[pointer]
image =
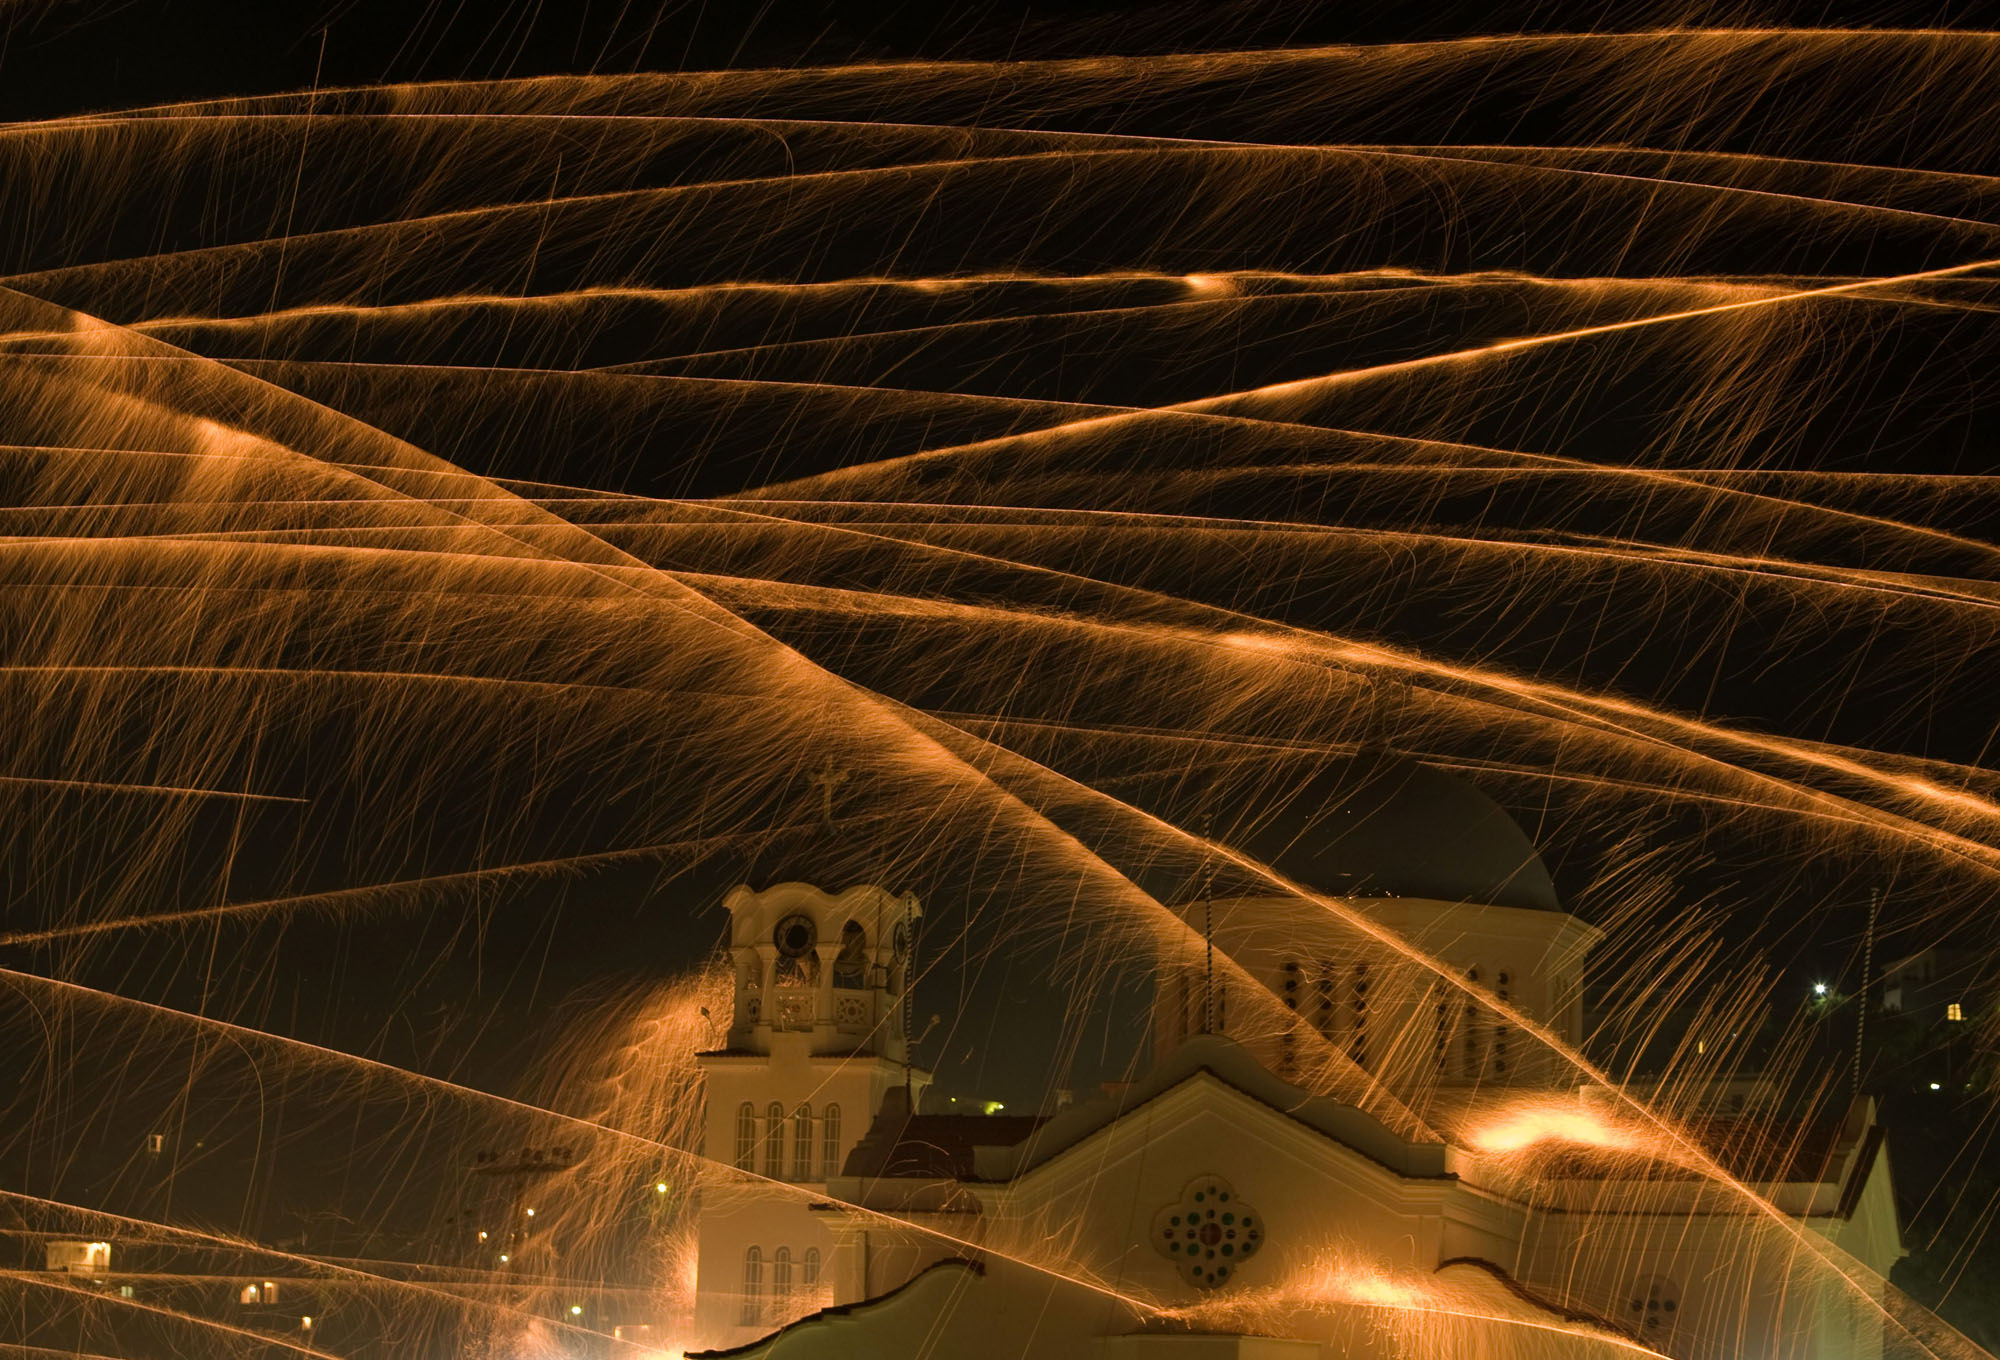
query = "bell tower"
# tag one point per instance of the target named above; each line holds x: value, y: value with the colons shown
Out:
x: 818, y: 1039
x: 822, y: 971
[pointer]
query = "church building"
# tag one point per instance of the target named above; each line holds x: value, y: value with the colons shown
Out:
x: 1336, y: 1150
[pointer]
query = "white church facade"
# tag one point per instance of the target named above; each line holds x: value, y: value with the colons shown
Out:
x: 1235, y: 1200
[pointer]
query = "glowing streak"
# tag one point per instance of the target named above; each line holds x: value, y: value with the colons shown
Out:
x: 99, y: 997
x: 1206, y: 66
x: 1574, y: 704
x: 697, y: 608
x: 1522, y: 1129
x: 315, y: 1263
x: 167, y: 790
x: 1221, y: 404
x: 338, y: 897
x: 51, y: 1282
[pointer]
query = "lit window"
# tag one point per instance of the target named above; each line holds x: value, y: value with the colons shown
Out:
x: 781, y: 1278
x: 249, y: 1294
x: 802, y: 1144
x: 270, y: 1291
x: 774, y: 1141
x: 829, y: 1141
x: 1954, y: 1012
x: 124, y: 1291
x: 746, y: 1137
x: 753, y: 1286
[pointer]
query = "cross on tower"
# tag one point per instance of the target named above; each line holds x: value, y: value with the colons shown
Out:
x: 829, y: 779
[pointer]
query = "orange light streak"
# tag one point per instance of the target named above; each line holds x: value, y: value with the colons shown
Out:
x: 45, y: 1281
x: 697, y: 1160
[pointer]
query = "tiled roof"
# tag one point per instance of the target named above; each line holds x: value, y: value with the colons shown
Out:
x: 934, y: 1146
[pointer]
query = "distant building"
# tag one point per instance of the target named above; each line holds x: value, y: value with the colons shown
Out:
x: 1932, y: 984
x: 79, y: 1258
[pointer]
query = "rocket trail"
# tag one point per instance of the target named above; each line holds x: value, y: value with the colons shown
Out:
x: 1277, y: 391
x: 320, y: 1266
x: 373, y: 894
x: 266, y: 1038
x: 161, y: 790
x: 997, y: 438
x: 44, y: 1281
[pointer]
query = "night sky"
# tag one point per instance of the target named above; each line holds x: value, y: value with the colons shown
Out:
x: 473, y: 995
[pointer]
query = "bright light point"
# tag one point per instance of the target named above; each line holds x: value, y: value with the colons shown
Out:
x: 576, y: 1310
x: 1209, y: 285
x: 503, y: 1258
x: 1936, y: 1087
x: 660, y: 1189
x: 1819, y: 989
x: 482, y: 1235
x: 531, y: 1213
x: 1525, y: 1128
x: 1256, y: 642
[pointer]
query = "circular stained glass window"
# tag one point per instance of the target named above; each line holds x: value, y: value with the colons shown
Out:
x: 1206, y: 1241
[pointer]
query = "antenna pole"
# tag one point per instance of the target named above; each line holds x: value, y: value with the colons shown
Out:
x: 1208, y: 928
x: 909, y: 1014
x: 1867, y: 972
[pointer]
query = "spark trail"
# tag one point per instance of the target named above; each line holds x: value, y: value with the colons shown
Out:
x: 469, y: 525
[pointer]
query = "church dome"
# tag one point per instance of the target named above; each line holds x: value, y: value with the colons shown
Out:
x: 1386, y: 826
x: 1369, y: 825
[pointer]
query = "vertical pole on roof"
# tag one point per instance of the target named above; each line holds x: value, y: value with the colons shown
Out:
x: 1867, y: 981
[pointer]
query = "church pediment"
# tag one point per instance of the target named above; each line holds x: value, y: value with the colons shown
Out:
x: 1226, y: 1074
x: 1203, y: 1189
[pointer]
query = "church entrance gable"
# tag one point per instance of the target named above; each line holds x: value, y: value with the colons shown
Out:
x: 1109, y: 1202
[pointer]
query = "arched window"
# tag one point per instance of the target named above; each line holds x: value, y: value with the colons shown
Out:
x: 1288, y: 1061
x: 753, y: 1286
x: 746, y: 1137
x: 774, y: 1140
x: 850, y: 966
x: 796, y: 938
x: 809, y: 1276
x: 1471, y: 1030
x: 802, y: 1143
x: 781, y: 1280
x: 829, y: 1141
